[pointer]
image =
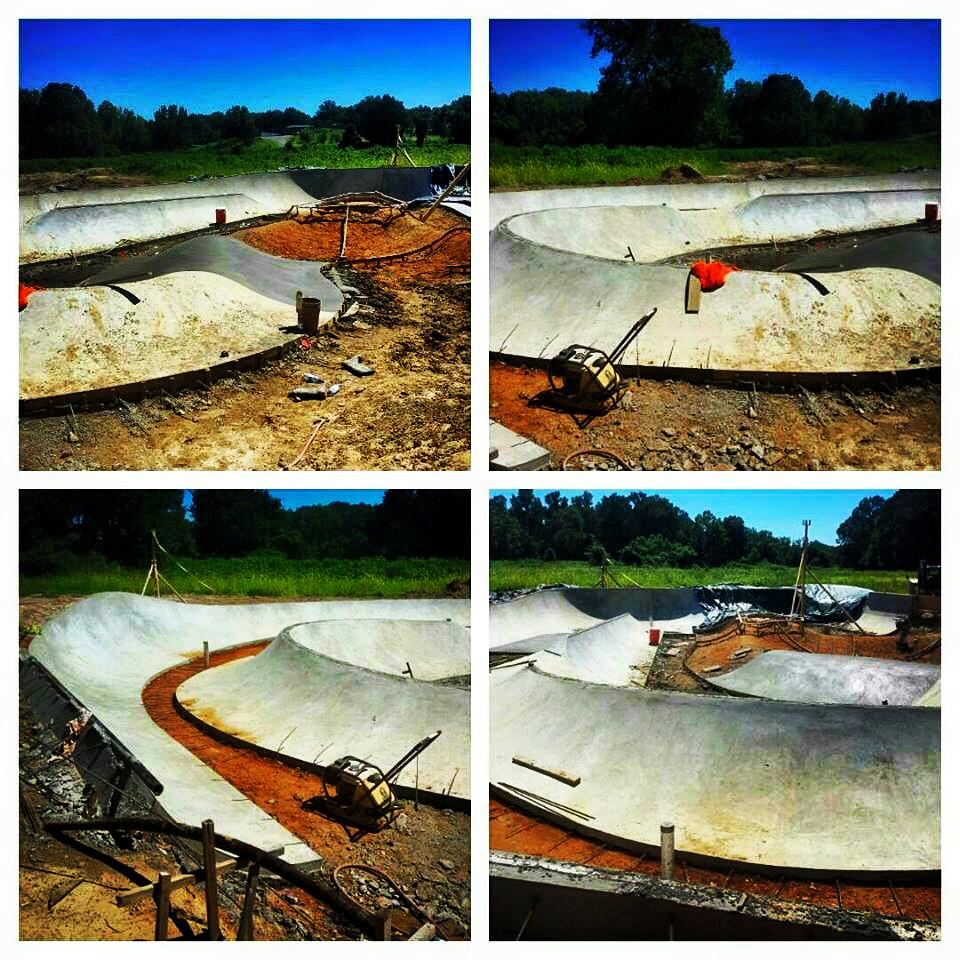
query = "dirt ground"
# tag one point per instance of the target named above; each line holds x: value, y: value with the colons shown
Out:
x: 413, y: 329
x: 92, y: 177
x: 674, y: 425
x: 426, y: 850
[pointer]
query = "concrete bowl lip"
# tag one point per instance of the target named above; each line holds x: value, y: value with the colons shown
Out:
x: 503, y: 228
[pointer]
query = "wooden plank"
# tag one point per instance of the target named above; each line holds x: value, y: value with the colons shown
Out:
x: 427, y: 932
x: 181, y: 880
x: 568, y: 778
x: 210, y: 880
x: 162, y: 897
x: 692, y: 299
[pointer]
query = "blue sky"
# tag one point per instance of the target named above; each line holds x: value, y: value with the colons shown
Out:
x: 779, y: 511
x: 851, y: 58
x: 291, y: 499
x: 209, y: 65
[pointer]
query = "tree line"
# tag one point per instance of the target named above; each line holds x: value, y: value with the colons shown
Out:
x: 59, y: 528
x: 60, y: 120
x: 648, y: 530
x: 664, y: 86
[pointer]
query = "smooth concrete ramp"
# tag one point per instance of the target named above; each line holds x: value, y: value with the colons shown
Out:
x: 297, y: 702
x: 580, y: 273
x: 826, y: 790
x: 827, y: 678
x: 105, y: 649
x: 616, y: 652
x: 87, y: 340
x: 420, y: 649
x: 274, y: 277
x: 73, y: 222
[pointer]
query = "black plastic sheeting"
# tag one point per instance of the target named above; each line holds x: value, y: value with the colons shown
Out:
x: 275, y: 277
x: 915, y: 251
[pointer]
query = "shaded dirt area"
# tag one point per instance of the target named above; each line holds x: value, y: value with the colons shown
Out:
x: 426, y: 850
x: 413, y: 413
x: 516, y: 832
x: 674, y: 425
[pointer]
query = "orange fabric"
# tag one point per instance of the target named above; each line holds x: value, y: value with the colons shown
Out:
x: 25, y: 292
x: 712, y: 275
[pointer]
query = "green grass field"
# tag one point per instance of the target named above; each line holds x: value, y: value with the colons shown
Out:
x: 265, y: 577
x: 525, y: 574
x: 224, y: 159
x: 512, y: 167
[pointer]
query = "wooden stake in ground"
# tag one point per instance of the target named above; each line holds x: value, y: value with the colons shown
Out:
x: 245, y: 930
x: 161, y: 894
x: 210, y: 881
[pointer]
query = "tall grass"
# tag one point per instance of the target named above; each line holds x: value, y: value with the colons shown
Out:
x: 225, y: 159
x: 525, y: 574
x: 573, y: 166
x: 265, y: 577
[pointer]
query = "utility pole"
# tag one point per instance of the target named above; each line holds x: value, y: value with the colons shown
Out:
x: 799, y: 603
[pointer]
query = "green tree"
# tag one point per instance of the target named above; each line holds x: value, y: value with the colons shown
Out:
x: 664, y: 81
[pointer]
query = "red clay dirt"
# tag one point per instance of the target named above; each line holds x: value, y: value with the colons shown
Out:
x: 410, y: 852
x: 674, y: 425
x: 514, y: 832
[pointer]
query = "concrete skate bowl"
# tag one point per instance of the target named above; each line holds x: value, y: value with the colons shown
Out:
x: 764, y: 786
x: 372, y: 711
x: 105, y: 650
x: 205, y: 307
x: 583, y: 266
x: 536, y: 620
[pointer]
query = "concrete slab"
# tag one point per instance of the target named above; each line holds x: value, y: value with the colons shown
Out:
x: 515, y: 452
x: 293, y: 700
x: 798, y: 788
x: 826, y: 678
x: 559, y: 276
x: 94, y: 338
x: 105, y: 648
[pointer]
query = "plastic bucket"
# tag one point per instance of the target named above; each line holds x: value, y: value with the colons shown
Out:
x: 221, y: 215
x: 310, y: 315
x: 654, y: 637
x: 931, y: 212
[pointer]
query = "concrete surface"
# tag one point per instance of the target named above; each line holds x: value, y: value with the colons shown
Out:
x: 539, y: 619
x: 296, y: 701
x: 68, y: 222
x: 827, y: 678
x: 105, y: 648
x: 89, y: 338
x: 558, y: 276
x: 277, y: 278
x: 798, y: 788
x: 515, y: 452
x: 432, y: 649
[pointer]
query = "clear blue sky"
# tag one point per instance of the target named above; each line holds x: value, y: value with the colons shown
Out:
x: 850, y: 58
x: 209, y: 65
x: 291, y: 499
x: 779, y: 511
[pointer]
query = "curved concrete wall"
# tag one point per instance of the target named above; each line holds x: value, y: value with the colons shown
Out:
x: 293, y: 700
x: 797, y: 788
x: 827, y: 678
x: 106, y: 648
x: 82, y: 221
x: 558, y: 276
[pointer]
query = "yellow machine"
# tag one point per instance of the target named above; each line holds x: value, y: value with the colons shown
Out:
x: 585, y: 377
x: 359, y: 792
